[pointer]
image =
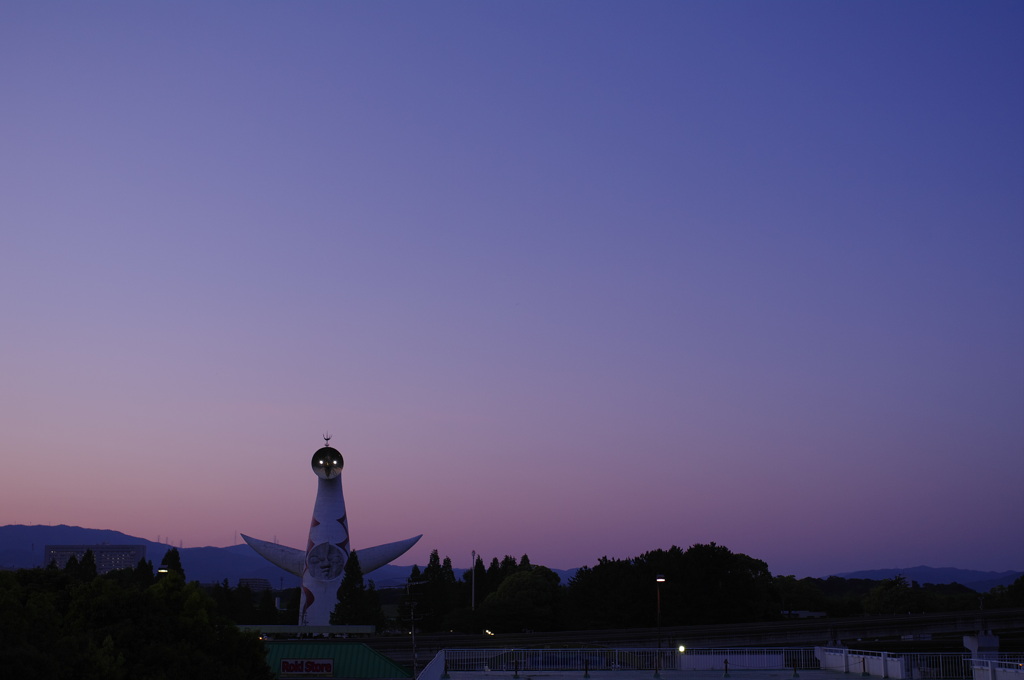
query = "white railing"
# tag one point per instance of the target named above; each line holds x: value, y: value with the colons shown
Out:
x: 746, y: 658
x: 902, y: 666
x: 516, y: 660
x: 841, y: 660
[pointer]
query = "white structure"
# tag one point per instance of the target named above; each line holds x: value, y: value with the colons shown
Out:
x: 108, y: 557
x: 322, y: 564
x: 909, y: 666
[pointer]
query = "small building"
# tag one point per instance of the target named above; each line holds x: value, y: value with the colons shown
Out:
x: 330, y: 658
x: 107, y: 557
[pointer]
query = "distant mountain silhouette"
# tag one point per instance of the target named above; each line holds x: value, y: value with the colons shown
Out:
x: 978, y: 581
x: 21, y: 547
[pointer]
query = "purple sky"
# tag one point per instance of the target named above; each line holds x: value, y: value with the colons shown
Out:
x: 569, y: 279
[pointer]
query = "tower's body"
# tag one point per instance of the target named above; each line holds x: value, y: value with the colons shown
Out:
x: 327, y: 549
x: 321, y: 565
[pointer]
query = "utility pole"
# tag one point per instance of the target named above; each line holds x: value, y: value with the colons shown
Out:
x: 412, y: 621
x: 472, y: 589
x: 412, y: 629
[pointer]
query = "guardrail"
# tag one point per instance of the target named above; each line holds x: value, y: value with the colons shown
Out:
x: 790, y: 633
x: 897, y: 666
x: 641, y: 659
x: 917, y: 666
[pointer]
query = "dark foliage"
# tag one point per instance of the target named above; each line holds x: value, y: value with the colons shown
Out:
x: 172, y: 562
x: 1007, y: 596
x: 358, y: 603
x: 125, y: 624
x: 704, y: 584
x: 840, y: 597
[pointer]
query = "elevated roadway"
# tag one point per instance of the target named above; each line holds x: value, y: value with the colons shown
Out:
x: 796, y: 633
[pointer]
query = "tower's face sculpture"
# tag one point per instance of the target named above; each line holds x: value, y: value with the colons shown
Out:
x: 327, y: 462
x: 325, y: 562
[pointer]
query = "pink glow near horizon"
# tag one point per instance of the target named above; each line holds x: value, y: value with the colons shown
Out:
x: 568, y: 280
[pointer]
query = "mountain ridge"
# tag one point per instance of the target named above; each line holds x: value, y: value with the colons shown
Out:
x: 979, y: 581
x: 21, y: 547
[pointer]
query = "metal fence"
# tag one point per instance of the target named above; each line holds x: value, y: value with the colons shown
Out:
x: 927, y: 666
x: 895, y: 666
x: 513, y: 660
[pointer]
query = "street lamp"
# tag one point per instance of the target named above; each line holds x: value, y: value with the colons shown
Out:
x: 658, y: 580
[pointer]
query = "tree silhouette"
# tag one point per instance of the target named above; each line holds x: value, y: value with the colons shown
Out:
x: 172, y: 562
x: 114, y: 627
x: 357, y: 603
x: 87, y: 569
x: 527, y: 600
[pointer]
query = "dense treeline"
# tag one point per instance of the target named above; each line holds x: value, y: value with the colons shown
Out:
x: 837, y: 596
x: 72, y: 623
x: 706, y: 583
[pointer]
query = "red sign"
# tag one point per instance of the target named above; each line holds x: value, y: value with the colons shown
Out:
x: 307, y: 667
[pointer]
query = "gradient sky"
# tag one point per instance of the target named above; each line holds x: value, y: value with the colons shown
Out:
x: 569, y: 279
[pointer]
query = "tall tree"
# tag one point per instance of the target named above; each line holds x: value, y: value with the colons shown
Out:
x: 87, y: 569
x: 527, y: 600
x: 719, y: 586
x: 607, y: 595
x: 143, y: 574
x: 704, y: 584
x: 436, y: 594
x: 891, y: 596
x: 172, y: 562
x: 357, y: 603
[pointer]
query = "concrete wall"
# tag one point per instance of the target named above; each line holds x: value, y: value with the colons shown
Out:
x: 915, y: 666
x: 879, y: 664
x: 997, y: 670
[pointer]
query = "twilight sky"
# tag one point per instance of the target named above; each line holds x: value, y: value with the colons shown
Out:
x: 567, y: 278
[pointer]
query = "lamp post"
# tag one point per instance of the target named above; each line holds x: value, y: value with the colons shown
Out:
x: 658, y: 580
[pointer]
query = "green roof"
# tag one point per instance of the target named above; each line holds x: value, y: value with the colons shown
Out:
x: 348, y: 660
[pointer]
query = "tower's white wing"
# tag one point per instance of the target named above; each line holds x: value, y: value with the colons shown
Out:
x: 379, y: 555
x: 292, y: 560
x: 289, y: 559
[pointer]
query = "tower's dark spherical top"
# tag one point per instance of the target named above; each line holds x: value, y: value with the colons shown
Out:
x: 327, y: 462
